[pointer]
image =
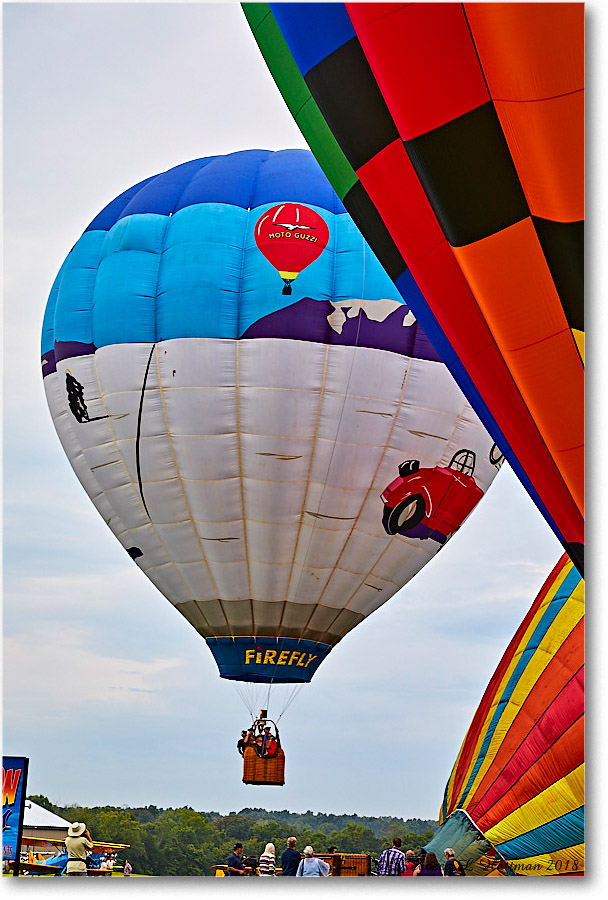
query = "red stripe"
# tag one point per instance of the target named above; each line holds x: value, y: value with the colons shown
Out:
x: 424, y: 44
x: 555, y: 678
x: 553, y: 748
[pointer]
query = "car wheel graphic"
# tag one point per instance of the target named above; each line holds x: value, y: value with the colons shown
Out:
x: 405, y: 516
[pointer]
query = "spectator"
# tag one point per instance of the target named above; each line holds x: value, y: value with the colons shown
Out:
x: 290, y: 858
x: 336, y: 863
x: 452, y: 866
x: 311, y: 866
x: 267, y: 863
x: 392, y: 862
x: 78, y: 842
x: 128, y: 868
x: 430, y: 866
x: 410, y: 863
x: 235, y: 863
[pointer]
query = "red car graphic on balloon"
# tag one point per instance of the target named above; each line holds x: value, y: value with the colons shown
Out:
x: 431, y: 503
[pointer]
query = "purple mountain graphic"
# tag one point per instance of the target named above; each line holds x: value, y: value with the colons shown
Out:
x: 307, y: 320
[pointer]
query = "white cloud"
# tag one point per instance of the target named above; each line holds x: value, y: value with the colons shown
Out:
x: 55, y: 667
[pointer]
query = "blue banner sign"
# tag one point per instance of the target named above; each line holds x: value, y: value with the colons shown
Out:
x: 265, y: 660
x: 14, y: 779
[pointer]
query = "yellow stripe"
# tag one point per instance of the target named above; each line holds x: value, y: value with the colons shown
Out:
x: 579, y: 340
x: 559, y: 862
x: 557, y: 800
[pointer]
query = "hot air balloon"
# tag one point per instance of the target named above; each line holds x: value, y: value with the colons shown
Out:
x: 514, y: 803
x: 454, y: 135
x: 291, y: 237
x: 236, y: 440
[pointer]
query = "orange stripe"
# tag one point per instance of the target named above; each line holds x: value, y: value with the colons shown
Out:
x: 546, y: 140
x: 533, y: 59
x: 510, y: 279
x: 529, y: 51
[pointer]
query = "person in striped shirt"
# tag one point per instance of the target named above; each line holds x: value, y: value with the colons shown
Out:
x: 392, y: 862
x: 267, y: 862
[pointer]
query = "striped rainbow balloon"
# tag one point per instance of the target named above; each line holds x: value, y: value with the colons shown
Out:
x: 519, y: 777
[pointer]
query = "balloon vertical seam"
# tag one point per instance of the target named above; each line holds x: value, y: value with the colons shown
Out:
x: 181, y: 484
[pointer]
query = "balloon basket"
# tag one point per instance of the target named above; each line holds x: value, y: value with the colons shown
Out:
x: 257, y: 770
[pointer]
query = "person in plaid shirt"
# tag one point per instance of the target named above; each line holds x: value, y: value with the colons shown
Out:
x: 392, y: 862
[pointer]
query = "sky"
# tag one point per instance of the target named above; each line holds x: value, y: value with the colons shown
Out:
x: 111, y: 694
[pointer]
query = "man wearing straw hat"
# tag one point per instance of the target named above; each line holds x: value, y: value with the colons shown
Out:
x: 78, y: 842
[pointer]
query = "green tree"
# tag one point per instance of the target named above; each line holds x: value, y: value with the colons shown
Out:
x: 355, y: 839
x: 42, y: 801
x: 180, y: 835
x: 235, y: 827
x: 121, y: 826
x: 318, y: 840
x: 268, y: 832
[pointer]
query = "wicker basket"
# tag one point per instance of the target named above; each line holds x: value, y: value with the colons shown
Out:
x: 348, y: 865
x: 263, y: 771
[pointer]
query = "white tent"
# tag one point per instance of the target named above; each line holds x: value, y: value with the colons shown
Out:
x: 35, y: 816
x: 42, y: 825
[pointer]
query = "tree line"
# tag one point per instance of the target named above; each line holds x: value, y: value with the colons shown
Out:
x: 186, y: 842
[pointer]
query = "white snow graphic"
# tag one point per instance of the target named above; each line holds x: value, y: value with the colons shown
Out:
x: 375, y: 310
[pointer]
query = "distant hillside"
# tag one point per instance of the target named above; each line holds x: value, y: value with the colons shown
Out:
x: 382, y: 826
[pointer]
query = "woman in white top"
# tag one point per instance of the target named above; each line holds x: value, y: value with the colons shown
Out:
x: 311, y: 866
x: 267, y: 863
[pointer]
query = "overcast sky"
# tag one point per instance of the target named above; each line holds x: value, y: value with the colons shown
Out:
x: 110, y: 693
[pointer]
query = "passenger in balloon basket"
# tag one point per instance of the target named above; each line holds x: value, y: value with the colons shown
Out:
x: 270, y: 744
x: 243, y: 741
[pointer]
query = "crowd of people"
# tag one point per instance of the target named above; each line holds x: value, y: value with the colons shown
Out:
x: 395, y: 862
x: 293, y: 863
x: 260, y: 737
x: 306, y: 865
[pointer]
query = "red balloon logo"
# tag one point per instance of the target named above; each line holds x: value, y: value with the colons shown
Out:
x: 291, y: 237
